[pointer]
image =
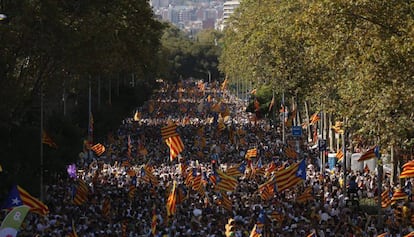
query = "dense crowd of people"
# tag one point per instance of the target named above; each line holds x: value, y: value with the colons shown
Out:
x: 125, y: 200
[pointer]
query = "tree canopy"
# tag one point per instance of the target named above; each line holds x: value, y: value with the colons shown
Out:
x: 352, y: 58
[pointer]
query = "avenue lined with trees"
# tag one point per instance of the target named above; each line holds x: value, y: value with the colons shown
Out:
x: 350, y: 59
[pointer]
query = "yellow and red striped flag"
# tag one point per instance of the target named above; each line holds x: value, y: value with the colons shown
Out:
x: 305, y: 196
x: 371, y: 153
x: 35, y: 204
x: 408, y: 170
x: 176, y: 146
x: 106, y: 207
x: 131, y: 192
x: 46, y: 139
x: 154, y: 221
x: 315, y: 118
x: 169, y: 131
x: 224, y: 182
x: 224, y: 84
x: 172, y: 201
x: 80, y: 193
x: 237, y: 170
x: 148, y: 176
x: 339, y: 155
x: 98, y: 148
x: 225, y: 201
x: 272, y: 103
x: 287, y: 178
x: 276, y: 216
x: 267, y: 190
x: 251, y: 153
x: 385, y: 199
x: 291, y: 153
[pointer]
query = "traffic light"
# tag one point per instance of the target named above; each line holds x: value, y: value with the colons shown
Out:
x: 230, y: 228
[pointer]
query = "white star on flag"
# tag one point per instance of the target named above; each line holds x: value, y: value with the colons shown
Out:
x: 299, y: 173
x: 15, y: 201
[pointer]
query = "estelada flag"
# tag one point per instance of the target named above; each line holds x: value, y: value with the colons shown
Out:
x: 369, y: 154
x: 169, y: 131
x: 18, y: 196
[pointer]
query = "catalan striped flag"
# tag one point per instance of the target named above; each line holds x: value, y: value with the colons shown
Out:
x: 272, y: 103
x: 80, y: 193
x: 305, y: 196
x: 267, y: 190
x: 339, y: 155
x: 18, y: 196
x: 124, y: 228
x: 181, y: 193
x: 154, y: 221
x: 399, y: 194
x: 371, y: 153
x: 224, y: 182
x: 271, y: 167
x: 148, y: 176
x: 46, y: 139
x: 224, y: 84
x: 220, y: 125
x: 172, y: 201
x: 251, y: 153
x: 129, y: 148
x: 277, y: 216
x: 338, y: 127
x: 98, y: 148
x: 137, y: 116
x: 315, y: 118
x: 408, y: 170
x: 385, y: 199
x: 224, y: 201
x: 169, y: 131
x: 131, y: 192
x: 289, y: 119
x: 106, y: 207
x: 289, y: 177
x: 176, y: 146
x: 291, y: 153
x: 237, y: 170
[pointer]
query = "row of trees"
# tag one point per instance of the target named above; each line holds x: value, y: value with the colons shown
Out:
x: 57, y: 50
x: 352, y: 59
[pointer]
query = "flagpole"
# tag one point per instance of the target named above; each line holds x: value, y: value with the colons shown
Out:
x: 41, y: 143
x: 344, y: 154
x: 283, y: 118
x: 89, y: 120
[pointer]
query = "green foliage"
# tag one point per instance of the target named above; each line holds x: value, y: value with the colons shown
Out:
x: 190, y: 58
x: 51, y: 47
x: 352, y: 58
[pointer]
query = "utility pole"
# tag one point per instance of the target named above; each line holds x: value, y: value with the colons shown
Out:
x: 41, y: 143
x: 344, y: 158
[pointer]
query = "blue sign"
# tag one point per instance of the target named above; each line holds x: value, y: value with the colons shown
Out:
x: 322, y: 145
x: 296, y: 131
